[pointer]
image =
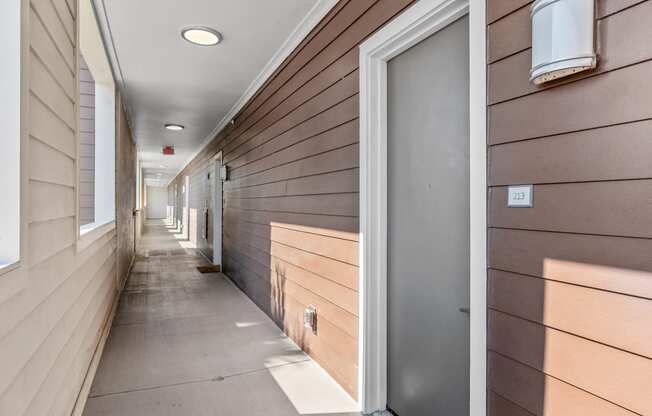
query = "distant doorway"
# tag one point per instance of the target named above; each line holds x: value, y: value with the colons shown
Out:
x: 216, y: 195
x: 157, y: 202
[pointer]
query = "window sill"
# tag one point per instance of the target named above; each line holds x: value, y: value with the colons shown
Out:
x: 90, y: 233
x: 8, y: 267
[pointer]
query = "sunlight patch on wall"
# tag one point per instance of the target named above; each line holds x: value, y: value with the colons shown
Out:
x: 627, y: 281
x: 317, y: 230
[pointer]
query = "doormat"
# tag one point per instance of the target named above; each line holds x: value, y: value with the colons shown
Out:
x: 209, y: 269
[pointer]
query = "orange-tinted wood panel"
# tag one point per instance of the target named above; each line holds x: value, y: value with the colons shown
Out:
x: 611, y: 374
x: 606, y: 317
x: 542, y: 394
x: 618, y: 264
x: 570, y: 279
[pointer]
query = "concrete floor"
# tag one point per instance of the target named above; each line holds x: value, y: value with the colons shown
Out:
x: 185, y: 343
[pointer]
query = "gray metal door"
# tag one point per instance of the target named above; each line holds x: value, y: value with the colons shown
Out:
x: 428, y: 226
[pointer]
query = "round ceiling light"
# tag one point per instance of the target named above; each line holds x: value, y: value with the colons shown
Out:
x: 203, y: 36
x: 174, y: 127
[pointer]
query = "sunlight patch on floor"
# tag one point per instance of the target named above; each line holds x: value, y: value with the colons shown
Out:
x: 320, y: 396
x: 248, y: 324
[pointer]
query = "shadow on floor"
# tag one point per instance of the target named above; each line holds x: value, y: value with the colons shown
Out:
x: 186, y: 343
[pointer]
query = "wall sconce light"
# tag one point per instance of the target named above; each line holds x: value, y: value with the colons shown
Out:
x: 563, y: 41
x: 224, y: 173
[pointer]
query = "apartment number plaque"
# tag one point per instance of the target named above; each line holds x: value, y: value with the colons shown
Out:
x: 520, y: 196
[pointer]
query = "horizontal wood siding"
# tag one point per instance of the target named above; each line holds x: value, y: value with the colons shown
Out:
x: 86, y: 144
x: 570, y: 280
x: 291, y: 204
x: 54, y: 306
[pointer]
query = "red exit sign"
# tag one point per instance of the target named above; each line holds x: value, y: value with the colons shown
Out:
x: 168, y: 150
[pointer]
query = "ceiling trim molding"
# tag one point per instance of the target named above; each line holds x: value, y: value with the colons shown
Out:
x: 303, y: 29
x: 109, y: 47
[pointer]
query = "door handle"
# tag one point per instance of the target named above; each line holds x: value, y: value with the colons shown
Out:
x: 466, y: 311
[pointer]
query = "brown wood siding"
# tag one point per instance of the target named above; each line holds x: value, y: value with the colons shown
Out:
x: 86, y: 144
x: 291, y: 205
x: 570, y: 280
x: 54, y: 306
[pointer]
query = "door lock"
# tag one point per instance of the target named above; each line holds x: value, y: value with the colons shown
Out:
x: 466, y: 311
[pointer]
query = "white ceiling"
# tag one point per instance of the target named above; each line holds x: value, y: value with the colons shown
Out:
x: 168, y: 80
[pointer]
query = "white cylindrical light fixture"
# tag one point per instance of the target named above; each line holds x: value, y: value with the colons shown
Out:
x: 563, y: 40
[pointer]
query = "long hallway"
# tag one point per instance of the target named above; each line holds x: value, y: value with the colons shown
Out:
x: 187, y: 343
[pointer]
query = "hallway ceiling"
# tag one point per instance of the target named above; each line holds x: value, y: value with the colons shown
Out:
x: 168, y: 80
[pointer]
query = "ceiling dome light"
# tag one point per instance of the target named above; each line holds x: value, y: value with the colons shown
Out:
x: 203, y: 36
x: 174, y: 127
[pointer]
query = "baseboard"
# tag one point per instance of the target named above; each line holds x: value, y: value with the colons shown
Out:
x: 82, y: 396
x: 204, y: 255
x: 123, y: 282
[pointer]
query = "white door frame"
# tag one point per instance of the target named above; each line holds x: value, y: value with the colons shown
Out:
x: 415, y: 24
x: 217, y: 210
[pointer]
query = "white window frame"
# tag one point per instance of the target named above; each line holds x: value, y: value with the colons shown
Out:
x: 91, y: 46
x: 13, y: 159
x: 411, y: 27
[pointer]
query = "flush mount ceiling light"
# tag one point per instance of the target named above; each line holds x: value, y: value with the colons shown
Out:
x: 174, y: 127
x: 203, y: 36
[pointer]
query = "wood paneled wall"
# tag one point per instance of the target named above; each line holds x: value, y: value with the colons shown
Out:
x: 291, y: 206
x: 54, y: 306
x: 570, y: 280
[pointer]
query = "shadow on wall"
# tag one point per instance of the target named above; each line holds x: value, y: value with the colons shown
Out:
x: 285, y: 268
x: 278, y: 294
x: 295, y: 329
x: 564, y: 330
x: 574, y: 340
